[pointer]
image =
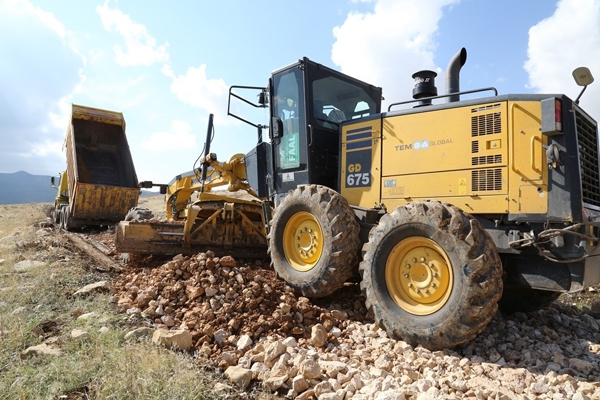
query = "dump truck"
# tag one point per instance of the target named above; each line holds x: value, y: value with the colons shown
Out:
x: 99, y: 185
x: 447, y: 205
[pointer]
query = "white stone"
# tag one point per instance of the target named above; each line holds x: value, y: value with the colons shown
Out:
x: 318, y: 335
x: 239, y: 376
x: 139, y: 333
x: 395, y: 394
x: 79, y: 334
x: 221, y: 335
x: 85, y: 316
x: 93, y: 287
x: 299, y: 384
x: 244, y: 342
x: 310, y: 369
x: 28, y: 265
x: 180, y: 338
x: 274, y: 350
x: 40, y: 349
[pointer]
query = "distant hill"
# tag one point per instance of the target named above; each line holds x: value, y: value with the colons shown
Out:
x: 22, y: 187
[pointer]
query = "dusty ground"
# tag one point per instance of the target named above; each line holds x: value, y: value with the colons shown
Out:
x: 237, y: 298
x: 254, y: 296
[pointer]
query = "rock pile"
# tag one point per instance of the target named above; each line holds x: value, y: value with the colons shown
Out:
x: 254, y: 327
x: 219, y: 301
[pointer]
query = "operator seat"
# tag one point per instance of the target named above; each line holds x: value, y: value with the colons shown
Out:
x: 334, y: 118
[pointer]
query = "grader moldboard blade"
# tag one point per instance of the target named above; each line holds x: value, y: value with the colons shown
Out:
x: 227, y: 226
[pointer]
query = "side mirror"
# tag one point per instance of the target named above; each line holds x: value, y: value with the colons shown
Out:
x: 276, y: 128
x: 263, y: 98
x: 52, y: 182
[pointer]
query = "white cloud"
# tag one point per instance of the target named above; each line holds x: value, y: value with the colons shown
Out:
x: 178, y: 137
x: 39, y: 73
x: 570, y: 38
x: 140, y: 47
x: 395, y: 40
x: 194, y: 88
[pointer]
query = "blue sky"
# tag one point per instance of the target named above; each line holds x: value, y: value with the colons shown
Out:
x: 168, y: 65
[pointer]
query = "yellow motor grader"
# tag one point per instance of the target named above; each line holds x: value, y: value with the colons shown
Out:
x: 446, y: 207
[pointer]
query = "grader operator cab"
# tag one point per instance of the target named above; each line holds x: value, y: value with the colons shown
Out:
x: 447, y: 209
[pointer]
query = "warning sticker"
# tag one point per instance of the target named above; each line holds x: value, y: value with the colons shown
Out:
x: 462, y: 186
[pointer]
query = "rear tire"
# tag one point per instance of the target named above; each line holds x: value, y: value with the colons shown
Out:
x: 431, y: 275
x: 56, y: 215
x: 313, y: 241
x: 65, y: 219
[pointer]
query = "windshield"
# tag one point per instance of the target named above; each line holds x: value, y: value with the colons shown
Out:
x: 335, y: 101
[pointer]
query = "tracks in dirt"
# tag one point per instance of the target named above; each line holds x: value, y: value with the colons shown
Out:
x: 95, y: 249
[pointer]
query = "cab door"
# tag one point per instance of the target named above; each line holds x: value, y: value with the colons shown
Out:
x: 289, y: 130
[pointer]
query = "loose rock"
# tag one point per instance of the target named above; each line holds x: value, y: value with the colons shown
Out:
x: 330, y: 348
x: 101, y: 286
x: 40, y: 349
x: 180, y: 339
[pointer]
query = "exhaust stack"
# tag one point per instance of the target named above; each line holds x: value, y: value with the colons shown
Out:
x: 453, y: 72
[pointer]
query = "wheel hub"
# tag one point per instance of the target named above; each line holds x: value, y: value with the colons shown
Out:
x: 303, y: 242
x: 419, y: 276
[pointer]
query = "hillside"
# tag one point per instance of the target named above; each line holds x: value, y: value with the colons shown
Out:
x: 22, y: 187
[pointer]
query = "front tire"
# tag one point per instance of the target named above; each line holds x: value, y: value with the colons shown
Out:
x: 431, y: 275
x: 313, y: 240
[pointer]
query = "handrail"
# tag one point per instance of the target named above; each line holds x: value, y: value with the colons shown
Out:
x: 443, y: 96
x: 232, y: 94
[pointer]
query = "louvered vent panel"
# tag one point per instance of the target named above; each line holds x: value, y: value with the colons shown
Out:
x: 475, y: 146
x: 494, y: 159
x: 486, y: 122
x: 486, y: 179
x: 587, y: 136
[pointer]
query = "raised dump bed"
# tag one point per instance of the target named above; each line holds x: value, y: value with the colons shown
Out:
x: 100, y: 181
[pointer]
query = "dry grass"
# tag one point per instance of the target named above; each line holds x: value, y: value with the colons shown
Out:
x: 37, y: 305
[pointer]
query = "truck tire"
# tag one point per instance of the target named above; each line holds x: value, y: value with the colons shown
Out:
x: 313, y: 241
x: 431, y: 275
x: 137, y: 214
x: 65, y: 219
x: 516, y: 299
x: 56, y: 215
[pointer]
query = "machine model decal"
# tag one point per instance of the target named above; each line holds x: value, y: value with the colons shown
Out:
x: 358, y: 167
